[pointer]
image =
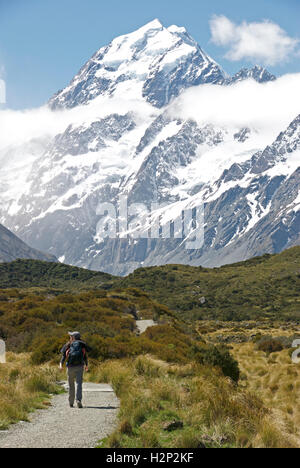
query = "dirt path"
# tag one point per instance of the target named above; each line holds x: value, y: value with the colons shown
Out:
x: 63, y: 427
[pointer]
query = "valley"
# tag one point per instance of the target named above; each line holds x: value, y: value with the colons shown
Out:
x: 194, y: 379
x: 153, y: 204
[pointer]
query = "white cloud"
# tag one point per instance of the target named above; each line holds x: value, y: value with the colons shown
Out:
x: 19, y: 127
x: 268, y: 107
x: 265, y: 42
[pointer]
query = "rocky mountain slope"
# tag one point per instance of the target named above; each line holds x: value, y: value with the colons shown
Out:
x: 124, y: 140
x: 11, y: 248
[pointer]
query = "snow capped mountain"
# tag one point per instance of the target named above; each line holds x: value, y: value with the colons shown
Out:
x: 154, y: 62
x: 260, y: 201
x: 123, y: 139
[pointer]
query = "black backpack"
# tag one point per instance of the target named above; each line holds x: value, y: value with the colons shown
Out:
x: 76, y: 354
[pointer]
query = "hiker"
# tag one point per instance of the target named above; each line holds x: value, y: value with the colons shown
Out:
x: 74, y: 354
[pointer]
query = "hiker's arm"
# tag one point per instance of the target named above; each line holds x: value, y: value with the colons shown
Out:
x: 64, y: 356
x: 86, y: 360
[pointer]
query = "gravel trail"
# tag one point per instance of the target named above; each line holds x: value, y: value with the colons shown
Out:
x: 64, y: 427
x: 142, y: 325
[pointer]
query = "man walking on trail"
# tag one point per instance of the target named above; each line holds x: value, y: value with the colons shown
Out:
x: 74, y: 354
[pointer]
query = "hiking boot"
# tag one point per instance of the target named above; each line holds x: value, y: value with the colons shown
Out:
x: 79, y: 405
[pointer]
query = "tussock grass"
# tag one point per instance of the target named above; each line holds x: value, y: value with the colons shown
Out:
x: 24, y: 388
x: 213, y: 410
x: 276, y: 381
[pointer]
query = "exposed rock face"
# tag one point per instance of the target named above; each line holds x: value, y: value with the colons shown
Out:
x: 259, y: 74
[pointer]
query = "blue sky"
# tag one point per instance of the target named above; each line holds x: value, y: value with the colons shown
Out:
x: 43, y: 43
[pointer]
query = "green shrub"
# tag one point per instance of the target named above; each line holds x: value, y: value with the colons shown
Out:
x: 220, y: 357
x: 269, y: 346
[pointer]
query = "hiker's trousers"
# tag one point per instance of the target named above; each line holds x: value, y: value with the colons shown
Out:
x: 75, y: 374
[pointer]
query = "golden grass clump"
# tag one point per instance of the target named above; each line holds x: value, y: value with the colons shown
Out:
x: 24, y: 388
x: 275, y: 379
x: 189, y: 406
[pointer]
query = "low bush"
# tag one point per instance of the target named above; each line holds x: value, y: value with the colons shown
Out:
x: 107, y: 321
x: 269, y: 346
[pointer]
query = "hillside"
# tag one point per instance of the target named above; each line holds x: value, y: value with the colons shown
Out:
x: 35, y: 273
x: 107, y: 320
x: 172, y: 382
x: 11, y: 248
x: 265, y: 286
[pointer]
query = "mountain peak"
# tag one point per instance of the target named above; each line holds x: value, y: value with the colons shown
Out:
x: 261, y: 74
x: 257, y: 73
x: 153, y: 63
x: 177, y: 29
x: 154, y: 24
